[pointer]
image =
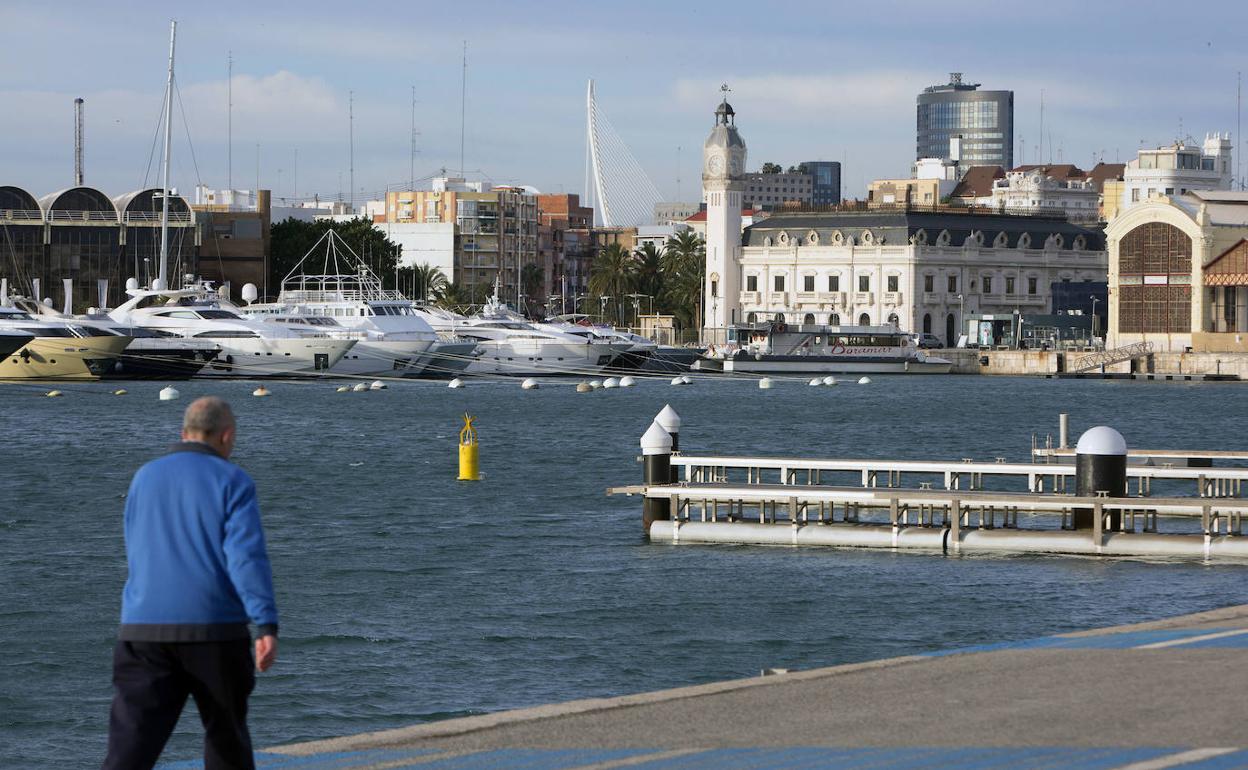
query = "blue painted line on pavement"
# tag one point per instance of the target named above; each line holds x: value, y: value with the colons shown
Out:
x: 976, y: 758
x: 1238, y: 642
x: 530, y: 759
x: 329, y: 761
x: 1236, y: 760
x: 1120, y: 641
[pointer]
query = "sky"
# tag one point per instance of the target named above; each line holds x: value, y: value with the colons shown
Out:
x: 809, y: 81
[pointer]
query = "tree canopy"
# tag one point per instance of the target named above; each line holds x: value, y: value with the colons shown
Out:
x: 291, y: 239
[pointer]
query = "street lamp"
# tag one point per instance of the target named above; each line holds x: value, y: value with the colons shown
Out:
x: 961, y: 318
x: 1095, y: 299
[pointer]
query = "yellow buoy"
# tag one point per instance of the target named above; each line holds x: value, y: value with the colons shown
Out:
x: 469, y: 469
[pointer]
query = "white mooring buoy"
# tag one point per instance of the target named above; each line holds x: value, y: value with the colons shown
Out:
x: 687, y: 379
x: 377, y: 385
x: 343, y: 389
x: 120, y: 392
x: 627, y: 382
x: 54, y: 394
x: 169, y: 393
x: 583, y: 387
x: 611, y: 382
x: 678, y: 380
x: 529, y: 384
x: 260, y: 392
x: 765, y: 383
x: 816, y: 382
x: 455, y: 383
x: 359, y: 387
x: 829, y: 380
x: 864, y: 380
x: 595, y: 384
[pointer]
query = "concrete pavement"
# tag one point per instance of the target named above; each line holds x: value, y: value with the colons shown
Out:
x: 1170, y: 693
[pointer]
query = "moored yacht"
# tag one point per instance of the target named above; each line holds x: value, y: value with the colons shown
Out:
x: 56, y: 350
x: 512, y: 346
x: 777, y: 348
x: 151, y: 354
x: 249, y: 348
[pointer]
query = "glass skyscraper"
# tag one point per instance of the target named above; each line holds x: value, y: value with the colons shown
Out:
x: 983, y: 119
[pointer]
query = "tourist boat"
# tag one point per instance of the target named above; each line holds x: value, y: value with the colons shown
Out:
x: 777, y: 348
x: 151, y: 354
x: 249, y: 348
x: 513, y: 346
x: 56, y: 350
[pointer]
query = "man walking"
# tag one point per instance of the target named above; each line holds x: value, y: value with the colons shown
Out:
x: 198, y: 573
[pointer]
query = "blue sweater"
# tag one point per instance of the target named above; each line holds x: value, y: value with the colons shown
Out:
x: 195, y: 549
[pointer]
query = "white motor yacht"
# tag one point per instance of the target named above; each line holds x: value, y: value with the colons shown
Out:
x: 513, y: 346
x: 249, y: 348
x: 635, y: 350
x: 391, y: 338
x: 56, y: 350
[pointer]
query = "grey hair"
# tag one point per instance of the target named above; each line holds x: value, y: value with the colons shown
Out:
x: 208, y: 416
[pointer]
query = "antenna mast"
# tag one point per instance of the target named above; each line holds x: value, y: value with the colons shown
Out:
x: 411, y: 168
x: 463, y: 94
x: 351, y: 121
x: 78, y: 139
x: 229, y: 125
x: 164, y: 198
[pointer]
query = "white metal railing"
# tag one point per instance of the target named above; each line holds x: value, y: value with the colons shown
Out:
x: 1111, y: 356
x: 21, y: 215
x: 177, y: 217
x: 57, y: 215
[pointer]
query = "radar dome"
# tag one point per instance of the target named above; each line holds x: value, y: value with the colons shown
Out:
x: 250, y: 293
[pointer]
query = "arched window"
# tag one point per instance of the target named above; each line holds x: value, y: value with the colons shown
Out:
x: 834, y: 319
x: 779, y: 318
x: 751, y: 318
x: 1155, y: 249
x: 864, y: 320
x: 809, y: 319
x: 894, y: 321
x: 927, y: 323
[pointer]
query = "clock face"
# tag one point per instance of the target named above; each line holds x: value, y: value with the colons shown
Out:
x: 715, y: 164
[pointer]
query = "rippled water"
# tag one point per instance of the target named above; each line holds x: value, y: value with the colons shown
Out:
x: 407, y: 596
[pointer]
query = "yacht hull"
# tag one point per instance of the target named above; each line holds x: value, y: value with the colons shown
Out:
x: 770, y: 364
x: 448, y: 359
x: 63, y: 358
x: 401, y: 358
x: 518, y: 359
x: 286, y: 357
x: 161, y: 359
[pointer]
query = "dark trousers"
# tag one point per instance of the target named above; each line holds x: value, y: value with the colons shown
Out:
x: 151, y: 681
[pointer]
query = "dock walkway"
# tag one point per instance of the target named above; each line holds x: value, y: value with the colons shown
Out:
x: 1154, y: 695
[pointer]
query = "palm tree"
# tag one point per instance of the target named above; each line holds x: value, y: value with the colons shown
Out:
x: 650, y: 271
x: 532, y: 276
x: 452, y: 296
x: 613, y: 273
x: 430, y: 281
x: 684, y: 271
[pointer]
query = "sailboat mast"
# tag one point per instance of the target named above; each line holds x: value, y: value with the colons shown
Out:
x: 164, y: 198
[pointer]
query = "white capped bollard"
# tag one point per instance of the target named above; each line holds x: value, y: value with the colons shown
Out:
x: 668, y: 420
x: 656, y: 451
x: 1100, y: 466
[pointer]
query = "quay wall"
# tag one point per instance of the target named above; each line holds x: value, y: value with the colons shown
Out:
x: 1049, y: 362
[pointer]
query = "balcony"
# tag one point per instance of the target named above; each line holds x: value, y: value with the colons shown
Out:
x: 993, y: 298
x: 864, y: 298
x: 933, y: 298
x: 749, y: 298
x: 778, y: 298
x: 807, y: 298
x: 832, y: 298
x: 892, y: 298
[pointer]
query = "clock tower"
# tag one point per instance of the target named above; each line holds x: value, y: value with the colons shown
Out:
x: 723, y: 169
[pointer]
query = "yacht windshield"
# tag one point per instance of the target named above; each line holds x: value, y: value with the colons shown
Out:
x: 210, y: 314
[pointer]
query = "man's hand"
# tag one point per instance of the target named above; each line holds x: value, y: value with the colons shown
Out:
x: 266, y: 652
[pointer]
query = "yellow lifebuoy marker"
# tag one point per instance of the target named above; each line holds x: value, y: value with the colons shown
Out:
x: 469, y: 469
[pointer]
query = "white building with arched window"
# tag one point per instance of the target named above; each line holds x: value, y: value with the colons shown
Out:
x: 922, y: 271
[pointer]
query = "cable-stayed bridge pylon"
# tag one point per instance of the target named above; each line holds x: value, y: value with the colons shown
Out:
x: 621, y: 191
